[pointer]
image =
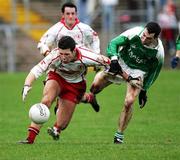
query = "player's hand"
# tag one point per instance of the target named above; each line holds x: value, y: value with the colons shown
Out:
x: 103, y: 60
x: 135, y: 82
x: 142, y: 98
x: 115, y: 67
x: 174, y: 62
x: 25, y: 91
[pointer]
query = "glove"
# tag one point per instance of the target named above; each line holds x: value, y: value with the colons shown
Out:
x: 174, y: 62
x: 115, y: 67
x: 142, y: 98
x: 135, y: 82
x: 25, y: 91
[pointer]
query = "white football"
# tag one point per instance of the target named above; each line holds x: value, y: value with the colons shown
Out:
x: 39, y: 113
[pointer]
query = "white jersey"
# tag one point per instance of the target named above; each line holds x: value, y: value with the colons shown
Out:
x: 72, y: 72
x: 83, y: 35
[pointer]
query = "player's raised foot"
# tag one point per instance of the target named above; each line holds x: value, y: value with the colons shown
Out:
x: 25, y: 141
x: 94, y: 103
x: 53, y: 133
x: 118, y: 138
x: 91, y: 98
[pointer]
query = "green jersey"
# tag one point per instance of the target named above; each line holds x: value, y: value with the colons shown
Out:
x: 178, y: 43
x: 129, y: 48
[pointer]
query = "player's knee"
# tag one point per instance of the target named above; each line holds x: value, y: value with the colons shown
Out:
x: 47, y: 101
x: 129, y: 102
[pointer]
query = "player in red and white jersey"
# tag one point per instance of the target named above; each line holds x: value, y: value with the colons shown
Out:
x: 72, y: 72
x: 69, y: 25
x: 66, y: 69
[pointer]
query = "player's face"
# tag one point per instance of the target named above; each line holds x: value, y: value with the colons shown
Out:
x: 66, y: 55
x: 69, y: 15
x: 147, y: 38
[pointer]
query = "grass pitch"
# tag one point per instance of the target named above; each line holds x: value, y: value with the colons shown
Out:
x: 153, y: 132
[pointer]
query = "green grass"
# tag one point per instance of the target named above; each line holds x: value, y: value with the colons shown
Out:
x: 153, y: 133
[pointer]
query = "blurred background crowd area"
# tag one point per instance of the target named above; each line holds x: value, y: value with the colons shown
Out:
x: 23, y: 22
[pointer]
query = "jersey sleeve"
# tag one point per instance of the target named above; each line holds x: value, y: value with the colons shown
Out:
x: 156, y: 68
x: 44, y: 64
x: 121, y: 40
x: 91, y: 39
x: 113, y: 46
x: 48, y: 40
x: 90, y: 58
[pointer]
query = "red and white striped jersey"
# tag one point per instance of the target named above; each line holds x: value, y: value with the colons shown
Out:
x: 72, y: 72
x: 82, y: 33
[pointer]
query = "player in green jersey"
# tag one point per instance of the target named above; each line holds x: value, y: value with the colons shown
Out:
x: 139, y: 53
x: 175, y: 59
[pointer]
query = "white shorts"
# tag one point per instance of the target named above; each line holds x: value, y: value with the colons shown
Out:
x: 133, y: 72
x: 118, y: 79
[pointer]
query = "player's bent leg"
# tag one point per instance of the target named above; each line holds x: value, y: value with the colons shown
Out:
x: 126, y: 113
x: 99, y: 83
x: 65, y: 111
x: 66, y: 106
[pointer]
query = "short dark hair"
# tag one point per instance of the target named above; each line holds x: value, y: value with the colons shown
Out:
x: 153, y: 27
x: 67, y: 42
x: 68, y: 4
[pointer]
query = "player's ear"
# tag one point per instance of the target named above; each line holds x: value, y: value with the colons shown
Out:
x: 74, y: 52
